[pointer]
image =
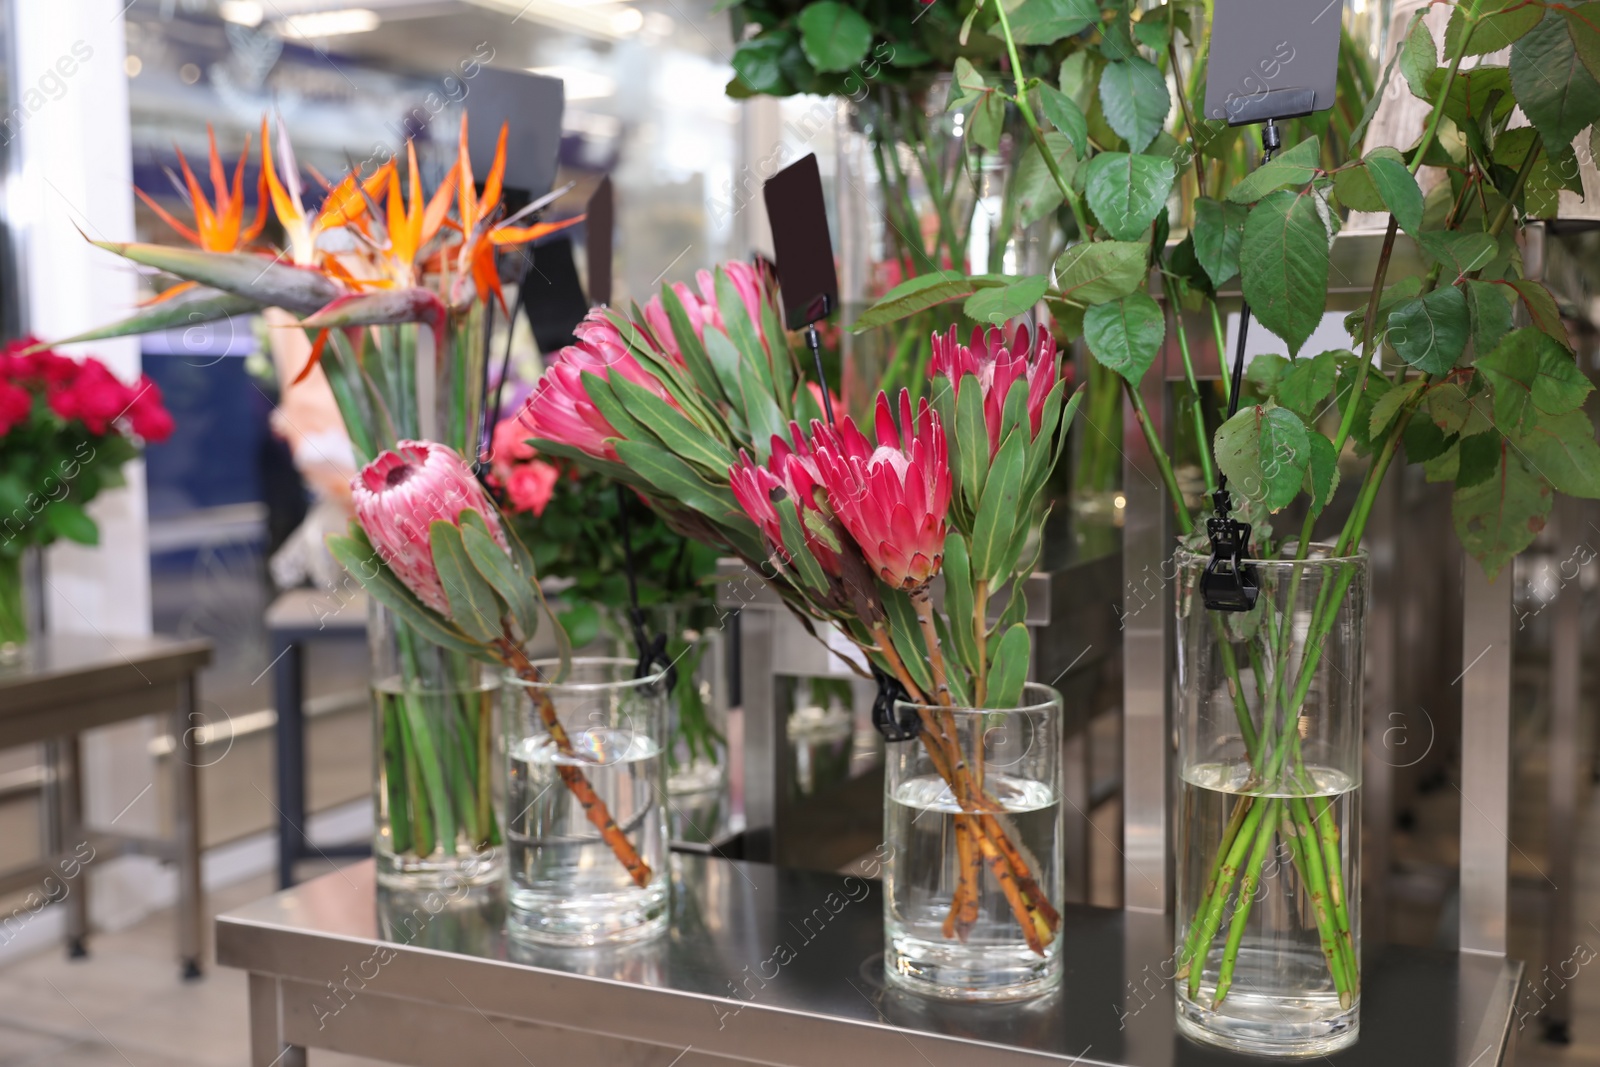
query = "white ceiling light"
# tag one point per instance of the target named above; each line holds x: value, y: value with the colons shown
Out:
x: 243, y: 12
x: 329, y: 23
x: 580, y: 84
x: 627, y: 21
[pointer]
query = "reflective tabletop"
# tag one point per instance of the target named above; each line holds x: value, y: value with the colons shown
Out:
x: 763, y: 965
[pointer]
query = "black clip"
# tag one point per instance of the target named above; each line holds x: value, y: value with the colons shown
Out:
x: 652, y: 653
x: 902, y: 727
x: 1229, y: 583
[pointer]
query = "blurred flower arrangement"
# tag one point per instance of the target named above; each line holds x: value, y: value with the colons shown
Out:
x: 394, y: 283
x: 66, y: 428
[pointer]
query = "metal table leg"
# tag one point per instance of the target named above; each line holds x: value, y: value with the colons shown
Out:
x: 288, y: 685
x: 186, y: 827
x: 1566, y: 679
x: 63, y: 821
x: 267, y: 1047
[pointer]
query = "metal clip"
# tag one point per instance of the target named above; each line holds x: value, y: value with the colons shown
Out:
x: 1229, y: 583
x: 903, y: 727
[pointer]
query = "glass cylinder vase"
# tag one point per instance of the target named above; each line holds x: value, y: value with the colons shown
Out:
x: 973, y: 823
x: 586, y: 808
x: 13, y: 610
x: 437, y: 817
x: 1268, y: 807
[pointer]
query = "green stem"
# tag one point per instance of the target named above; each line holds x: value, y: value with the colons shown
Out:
x: 1067, y: 193
x: 1159, y: 454
x: 1230, y: 833
x: 1245, y: 901
x: 1226, y: 873
x: 1202, y: 442
x: 394, y: 781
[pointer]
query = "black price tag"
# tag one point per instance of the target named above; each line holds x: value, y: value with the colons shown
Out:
x: 807, y: 281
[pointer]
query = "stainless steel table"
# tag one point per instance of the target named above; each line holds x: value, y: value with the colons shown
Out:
x: 762, y: 965
x: 67, y: 684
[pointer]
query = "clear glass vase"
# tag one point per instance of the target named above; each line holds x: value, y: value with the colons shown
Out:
x: 437, y: 814
x: 973, y: 822
x: 697, y: 726
x: 1269, y: 812
x: 586, y: 808
x: 13, y: 606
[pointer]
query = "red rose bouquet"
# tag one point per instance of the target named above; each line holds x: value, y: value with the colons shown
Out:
x: 66, y: 428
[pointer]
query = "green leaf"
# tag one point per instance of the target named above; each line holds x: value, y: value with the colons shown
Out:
x: 1387, y: 406
x: 1419, y: 58
x: 1047, y: 21
x: 1531, y: 373
x: 1322, y: 475
x: 1542, y: 309
x: 1065, y: 115
x: 64, y: 518
x: 1264, y: 372
x: 995, y: 307
x: 1563, y: 449
x: 1553, y: 87
x: 958, y: 598
x: 1092, y: 273
x: 758, y: 63
x: 1497, y: 27
x: 1295, y: 167
x: 1460, y: 253
x: 1500, y: 516
x: 971, y: 442
x: 1265, y: 452
x: 1306, y: 384
x: 988, y: 122
x: 907, y: 636
x: 474, y: 605
x: 1009, y: 671
x: 1490, y: 313
x: 794, y: 543
x: 357, y: 556
x: 1034, y: 189
x: 969, y: 86
x: 1218, y: 232
x: 1478, y: 459
x: 923, y: 292
x: 669, y: 425
x: 1454, y: 411
x: 998, y: 513
x: 1125, y: 335
x: 1126, y: 191
x: 1399, y: 190
x: 1424, y: 441
x: 834, y: 36
x: 191, y: 308
x: 494, y: 564
x: 1283, y: 262
x: 690, y: 345
x: 262, y: 281
x: 1133, y: 95
x: 1430, y: 333
x: 672, y: 478
x: 1583, y: 24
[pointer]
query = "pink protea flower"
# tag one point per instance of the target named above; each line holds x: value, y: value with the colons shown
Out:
x: 791, y: 471
x: 560, y: 409
x: 399, y: 495
x: 997, y: 366
x: 702, y: 306
x: 892, y: 498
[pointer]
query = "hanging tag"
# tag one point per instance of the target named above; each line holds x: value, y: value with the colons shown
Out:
x: 807, y: 281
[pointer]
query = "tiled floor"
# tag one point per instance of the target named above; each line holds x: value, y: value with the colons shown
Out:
x: 125, y: 1006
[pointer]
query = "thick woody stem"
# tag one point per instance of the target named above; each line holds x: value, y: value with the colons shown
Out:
x: 1035, y: 929
x: 593, y: 807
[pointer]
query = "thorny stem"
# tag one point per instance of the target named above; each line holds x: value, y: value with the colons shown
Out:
x: 1067, y: 192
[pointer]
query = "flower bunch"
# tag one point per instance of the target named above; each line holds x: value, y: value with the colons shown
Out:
x: 429, y: 545
x: 718, y: 429
x: 66, y: 427
x: 527, y: 481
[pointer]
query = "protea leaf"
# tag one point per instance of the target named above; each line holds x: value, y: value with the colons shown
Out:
x: 257, y: 278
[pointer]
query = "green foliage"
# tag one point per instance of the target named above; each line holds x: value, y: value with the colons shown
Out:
x: 1284, y: 263
x: 834, y: 36
x: 1126, y: 191
x: 1124, y: 335
x: 1430, y: 332
x: 1552, y: 85
x: 1133, y: 94
x: 1218, y: 233
x: 1265, y: 452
